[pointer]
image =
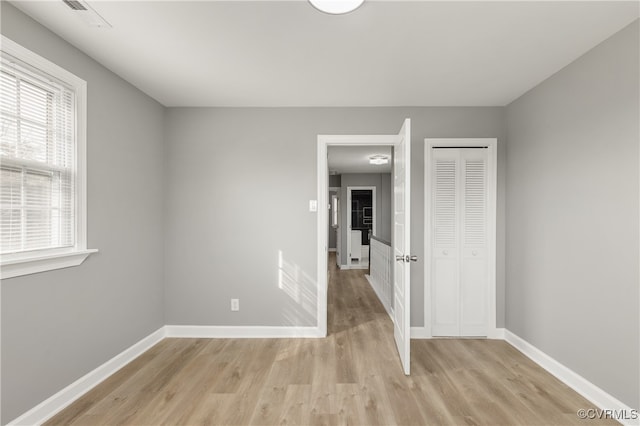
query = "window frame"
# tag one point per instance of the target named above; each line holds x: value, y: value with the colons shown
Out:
x: 31, y: 262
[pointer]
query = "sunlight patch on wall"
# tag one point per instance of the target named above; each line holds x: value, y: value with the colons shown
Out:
x: 301, y: 289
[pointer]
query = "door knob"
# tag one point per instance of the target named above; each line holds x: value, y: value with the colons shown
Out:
x: 445, y: 252
x: 407, y: 258
x: 475, y: 252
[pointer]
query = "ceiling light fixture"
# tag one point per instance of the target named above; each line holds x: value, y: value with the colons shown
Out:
x: 336, y: 7
x: 378, y: 159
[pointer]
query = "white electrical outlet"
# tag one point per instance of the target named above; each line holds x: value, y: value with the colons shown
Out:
x: 235, y: 304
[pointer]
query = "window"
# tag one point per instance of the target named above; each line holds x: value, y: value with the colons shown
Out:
x: 42, y: 164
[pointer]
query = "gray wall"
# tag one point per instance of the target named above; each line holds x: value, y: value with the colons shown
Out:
x: 215, y: 154
x: 59, y: 325
x: 572, y: 216
x: 381, y: 181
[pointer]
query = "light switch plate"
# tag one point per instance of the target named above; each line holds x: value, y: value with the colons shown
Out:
x: 313, y: 205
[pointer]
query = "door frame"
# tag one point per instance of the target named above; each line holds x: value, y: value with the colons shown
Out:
x: 492, y: 167
x: 324, y: 141
x: 373, y: 215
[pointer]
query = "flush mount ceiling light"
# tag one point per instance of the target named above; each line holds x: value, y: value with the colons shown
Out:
x: 336, y: 7
x: 378, y: 159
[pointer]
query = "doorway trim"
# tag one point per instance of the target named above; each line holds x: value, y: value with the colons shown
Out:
x: 492, y: 147
x: 349, y: 214
x: 324, y: 141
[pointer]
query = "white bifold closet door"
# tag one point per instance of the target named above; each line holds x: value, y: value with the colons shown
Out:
x: 459, y: 242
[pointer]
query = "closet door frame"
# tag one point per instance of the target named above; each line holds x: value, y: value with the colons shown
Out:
x: 492, y: 158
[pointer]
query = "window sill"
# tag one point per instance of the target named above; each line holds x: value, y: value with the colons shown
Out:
x: 41, y: 263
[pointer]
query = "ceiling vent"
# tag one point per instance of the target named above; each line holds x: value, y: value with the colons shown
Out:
x: 88, y: 15
x: 74, y: 4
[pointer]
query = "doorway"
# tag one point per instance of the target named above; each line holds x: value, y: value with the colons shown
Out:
x: 361, y: 224
x: 460, y: 237
x: 401, y: 229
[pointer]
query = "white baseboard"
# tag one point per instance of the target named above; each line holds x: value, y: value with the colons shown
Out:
x: 423, y: 333
x: 593, y: 393
x: 420, y: 333
x: 497, y: 333
x: 54, y: 404
x: 239, y: 332
x: 332, y: 250
x: 346, y: 267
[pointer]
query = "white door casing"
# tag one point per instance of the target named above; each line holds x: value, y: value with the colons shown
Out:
x: 460, y: 223
x: 401, y: 244
x: 445, y: 210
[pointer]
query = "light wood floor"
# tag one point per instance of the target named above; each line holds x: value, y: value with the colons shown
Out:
x: 351, y: 377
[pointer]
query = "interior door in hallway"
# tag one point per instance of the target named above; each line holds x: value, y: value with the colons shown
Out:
x: 459, y: 242
x: 402, y: 243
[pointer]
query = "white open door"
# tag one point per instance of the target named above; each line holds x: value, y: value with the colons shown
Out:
x: 401, y: 243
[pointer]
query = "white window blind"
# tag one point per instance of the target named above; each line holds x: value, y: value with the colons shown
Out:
x: 37, y: 160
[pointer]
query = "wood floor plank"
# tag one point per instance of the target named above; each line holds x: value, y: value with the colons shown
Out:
x: 296, y: 410
x: 140, y: 392
x: 432, y: 406
x: 80, y: 410
x: 208, y: 409
x: 351, y: 377
x: 172, y: 404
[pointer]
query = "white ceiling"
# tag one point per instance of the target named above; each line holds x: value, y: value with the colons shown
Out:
x: 386, y: 53
x: 355, y: 159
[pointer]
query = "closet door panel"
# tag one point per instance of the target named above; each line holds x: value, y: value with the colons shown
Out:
x: 445, y: 297
x: 473, y: 265
x: 445, y: 236
x: 473, y: 292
